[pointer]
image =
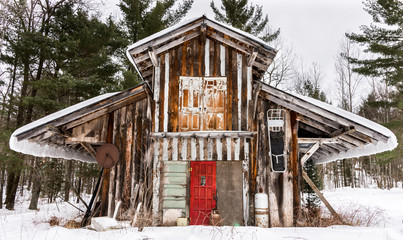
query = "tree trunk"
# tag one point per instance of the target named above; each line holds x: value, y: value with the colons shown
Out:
x: 2, y: 180
x: 12, y: 184
x: 67, y: 183
x: 36, y: 187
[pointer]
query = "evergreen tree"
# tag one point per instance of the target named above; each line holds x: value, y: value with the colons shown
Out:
x: 143, y: 18
x: 384, y: 40
x: 249, y: 18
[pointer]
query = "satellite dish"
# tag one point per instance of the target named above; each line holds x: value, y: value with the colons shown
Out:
x: 107, y: 155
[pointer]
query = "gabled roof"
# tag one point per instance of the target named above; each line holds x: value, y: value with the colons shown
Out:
x: 341, y: 134
x: 42, y: 138
x: 141, y: 52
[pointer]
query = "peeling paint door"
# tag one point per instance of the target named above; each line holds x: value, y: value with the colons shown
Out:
x: 202, y: 191
x: 202, y: 103
x: 190, y: 97
x: 214, y: 92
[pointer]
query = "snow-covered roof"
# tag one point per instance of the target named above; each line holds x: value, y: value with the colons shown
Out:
x: 44, y: 150
x: 188, y: 21
x: 22, y: 139
x: 380, y: 139
x: 139, y: 52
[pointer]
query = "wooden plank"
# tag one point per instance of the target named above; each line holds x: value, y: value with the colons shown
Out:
x: 245, y: 191
x: 175, y: 149
x: 222, y: 60
x: 168, y: 46
x: 184, y: 148
x: 209, y: 149
x: 174, y: 204
x: 156, y: 189
x: 165, y: 156
x: 239, y: 89
x: 219, y: 149
x: 106, y: 172
x: 128, y: 156
x: 229, y: 149
x: 269, y: 52
x: 320, y: 195
x: 165, y: 38
x: 295, y: 166
x: 102, y: 108
x: 153, y: 56
x: 204, y: 134
x: 207, y: 58
x: 309, y: 153
x: 193, y: 148
x: 201, y: 145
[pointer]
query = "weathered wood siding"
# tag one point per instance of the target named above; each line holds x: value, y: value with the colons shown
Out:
x: 200, y: 57
x: 278, y: 186
x: 131, y: 135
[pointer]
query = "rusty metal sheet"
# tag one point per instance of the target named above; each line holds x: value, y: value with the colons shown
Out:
x: 107, y: 155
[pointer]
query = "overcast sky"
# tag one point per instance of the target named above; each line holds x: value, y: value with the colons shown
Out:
x: 313, y: 27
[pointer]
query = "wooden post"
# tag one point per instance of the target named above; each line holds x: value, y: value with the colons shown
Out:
x: 294, y: 165
x: 320, y: 195
x: 106, y: 173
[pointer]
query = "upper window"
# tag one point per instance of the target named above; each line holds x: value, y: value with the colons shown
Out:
x: 202, y: 103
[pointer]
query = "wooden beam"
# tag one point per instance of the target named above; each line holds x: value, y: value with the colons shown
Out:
x: 165, y: 38
x: 204, y: 134
x: 168, y: 46
x: 294, y: 165
x: 269, y: 52
x: 309, y: 153
x: 106, y: 173
x: 95, y: 114
x: 153, y: 56
x: 342, y: 131
x: 320, y: 195
x: 320, y: 140
x: 252, y: 58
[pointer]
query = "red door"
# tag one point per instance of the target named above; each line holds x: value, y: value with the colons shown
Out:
x: 202, y: 191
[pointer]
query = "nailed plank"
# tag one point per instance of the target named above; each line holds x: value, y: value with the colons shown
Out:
x: 222, y: 60
x: 219, y: 149
x: 193, y: 148
x: 184, y: 148
x: 165, y: 38
x: 165, y: 156
x: 168, y: 46
x: 201, y: 145
x: 175, y: 149
x: 207, y: 58
x: 209, y: 149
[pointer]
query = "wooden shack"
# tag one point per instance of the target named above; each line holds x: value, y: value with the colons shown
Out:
x: 195, y: 135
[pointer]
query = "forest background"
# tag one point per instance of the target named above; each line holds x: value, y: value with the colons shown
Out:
x: 56, y: 53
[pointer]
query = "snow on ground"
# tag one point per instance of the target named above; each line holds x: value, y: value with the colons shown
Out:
x: 27, y: 224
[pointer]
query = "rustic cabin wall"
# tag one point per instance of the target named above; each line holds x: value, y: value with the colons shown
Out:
x: 278, y: 186
x: 130, y: 179
x: 201, y: 57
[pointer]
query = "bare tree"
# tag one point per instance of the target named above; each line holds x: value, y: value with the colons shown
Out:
x: 281, y: 71
x: 308, y: 81
x: 347, y: 81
